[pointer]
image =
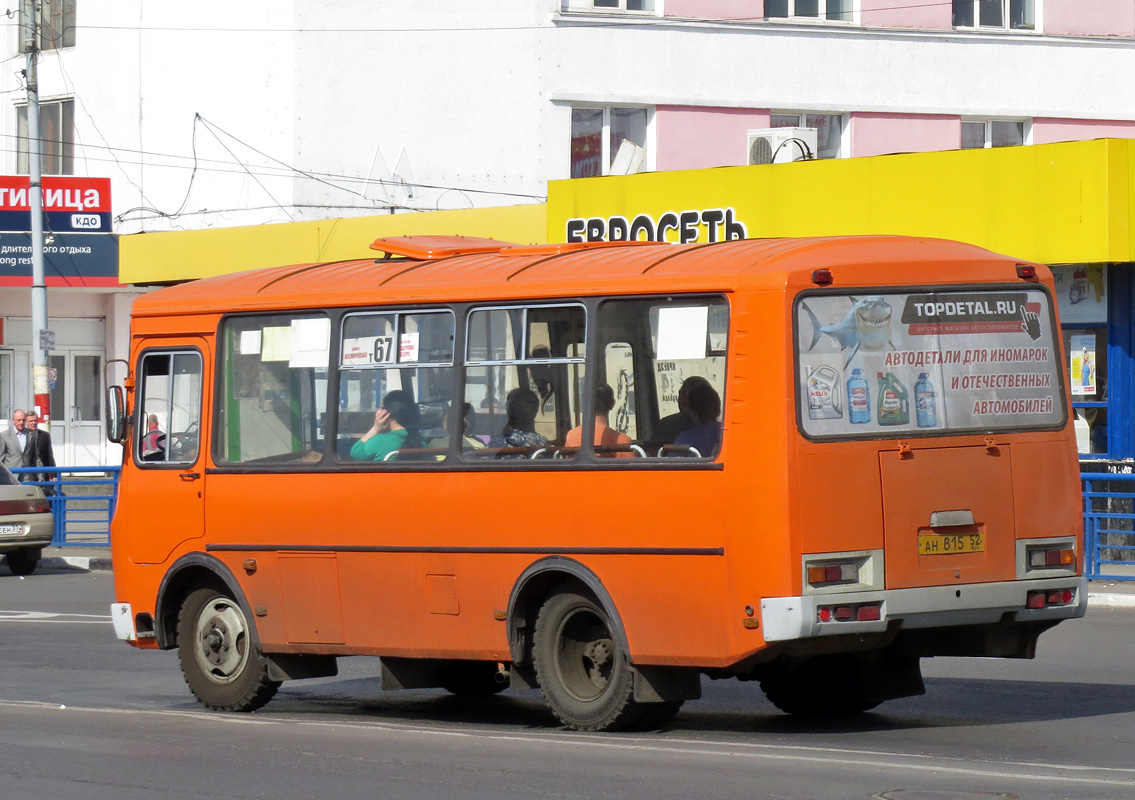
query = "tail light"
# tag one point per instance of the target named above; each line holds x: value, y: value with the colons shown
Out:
x: 1047, y: 598
x: 820, y: 575
x: 35, y: 505
x: 864, y: 612
x: 1039, y: 558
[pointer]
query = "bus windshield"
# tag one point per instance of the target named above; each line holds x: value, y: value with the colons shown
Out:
x: 953, y: 361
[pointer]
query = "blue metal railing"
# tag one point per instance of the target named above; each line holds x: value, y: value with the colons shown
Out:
x: 83, y: 502
x: 1109, y: 525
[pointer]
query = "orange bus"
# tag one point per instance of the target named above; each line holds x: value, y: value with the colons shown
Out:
x: 603, y: 470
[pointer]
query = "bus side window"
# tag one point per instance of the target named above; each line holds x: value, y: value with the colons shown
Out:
x: 395, y: 387
x: 274, y: 389
x: 523, y: 379
x: 168, y: 421
x: 656, y: 351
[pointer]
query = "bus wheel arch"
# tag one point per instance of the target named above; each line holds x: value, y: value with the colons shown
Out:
x: 536, y: 585
x: 190, y: 572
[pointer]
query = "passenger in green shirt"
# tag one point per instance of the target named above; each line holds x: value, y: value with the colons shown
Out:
x: 395, y: 428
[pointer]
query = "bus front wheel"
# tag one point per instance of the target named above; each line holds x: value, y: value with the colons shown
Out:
x: 583, y: 673
x: 220, y: 657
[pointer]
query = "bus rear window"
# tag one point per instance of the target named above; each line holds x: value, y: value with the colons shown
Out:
x: 872, y: 365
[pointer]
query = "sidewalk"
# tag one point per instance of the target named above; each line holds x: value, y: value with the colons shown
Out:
x: 1101, y: 593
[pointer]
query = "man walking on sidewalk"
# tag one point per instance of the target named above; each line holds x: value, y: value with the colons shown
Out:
x: 39, y: 452
x: 14, y: 441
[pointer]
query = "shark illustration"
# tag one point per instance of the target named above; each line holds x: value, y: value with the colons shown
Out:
x: 867, y: 326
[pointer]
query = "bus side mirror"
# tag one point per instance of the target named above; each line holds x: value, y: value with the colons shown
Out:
x: 115, y: 414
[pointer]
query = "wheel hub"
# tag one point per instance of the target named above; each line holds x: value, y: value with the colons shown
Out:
x: 222, y: 639
x: 597, y: 659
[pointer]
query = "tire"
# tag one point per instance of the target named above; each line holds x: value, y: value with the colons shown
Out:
x: 584, y: 675
x: 474, y: 679
x: 220, y: 655
x: 23, y: 562
x: 825, y: 686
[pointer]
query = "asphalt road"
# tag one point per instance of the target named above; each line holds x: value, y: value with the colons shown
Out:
x: 83, y: 715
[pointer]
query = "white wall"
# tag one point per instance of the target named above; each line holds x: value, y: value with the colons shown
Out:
x: 477, y: 96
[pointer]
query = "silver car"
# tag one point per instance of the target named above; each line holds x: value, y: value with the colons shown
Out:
x: 26, y: 523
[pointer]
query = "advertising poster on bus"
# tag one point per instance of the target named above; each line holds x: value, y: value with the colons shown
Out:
x: 927, y: 362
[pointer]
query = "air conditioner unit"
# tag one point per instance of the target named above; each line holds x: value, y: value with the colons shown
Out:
x: 781, y: 145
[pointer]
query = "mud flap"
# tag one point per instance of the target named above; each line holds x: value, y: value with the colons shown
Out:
x: 666, y: 684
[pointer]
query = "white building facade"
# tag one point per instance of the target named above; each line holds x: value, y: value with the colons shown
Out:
x: 214, y: 115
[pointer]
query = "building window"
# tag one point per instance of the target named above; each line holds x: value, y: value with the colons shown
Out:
x: 56, y: 136
x: 624, y: 5
x: 56, y: 24
x: 992, y: 133
x: 832, y: 10
x: 643, y: 6
x: 1018, y: 15
x: 829, y: 129
x: 600, y: 137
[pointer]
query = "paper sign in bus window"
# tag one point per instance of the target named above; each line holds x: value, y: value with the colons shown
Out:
x: 277, y: 344
x: 682, y: 332
x: 408, y: 347
x: 310, y: 340
x: 250, y: 343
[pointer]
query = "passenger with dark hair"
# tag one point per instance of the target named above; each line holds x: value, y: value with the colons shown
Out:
x: 395, y: 428
x: 605, y: 435
x: 522, y: 406
x: 704, y: 409
x: 669, y: 427
x: 467, y: 441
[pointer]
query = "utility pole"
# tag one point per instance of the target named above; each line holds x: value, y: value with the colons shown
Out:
x: 40, y: 387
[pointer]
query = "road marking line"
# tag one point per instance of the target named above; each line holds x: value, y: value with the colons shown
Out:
x: 756, y: 751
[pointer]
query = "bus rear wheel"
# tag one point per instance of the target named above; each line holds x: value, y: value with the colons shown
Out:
x: 584, y: 674
x: 220, y: 657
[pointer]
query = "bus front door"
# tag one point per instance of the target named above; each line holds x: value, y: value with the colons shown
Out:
x: 168, y: 469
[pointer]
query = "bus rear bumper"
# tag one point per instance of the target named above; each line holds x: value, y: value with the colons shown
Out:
x: 812, y: 616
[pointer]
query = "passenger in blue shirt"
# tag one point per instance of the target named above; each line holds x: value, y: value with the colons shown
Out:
x: 705, y: 434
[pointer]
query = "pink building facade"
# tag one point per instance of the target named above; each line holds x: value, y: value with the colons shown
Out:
x: 839, y: 47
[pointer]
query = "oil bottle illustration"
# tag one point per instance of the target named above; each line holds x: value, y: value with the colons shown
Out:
x: 824, y: 393
x: 858, y: 399
x: 925, y: 405
x: 894, y: 403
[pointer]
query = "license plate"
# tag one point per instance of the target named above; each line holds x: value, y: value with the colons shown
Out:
x: 11, y: 530
x: 940, y: 544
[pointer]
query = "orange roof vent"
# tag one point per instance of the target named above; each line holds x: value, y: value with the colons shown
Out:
x: 432, y: 248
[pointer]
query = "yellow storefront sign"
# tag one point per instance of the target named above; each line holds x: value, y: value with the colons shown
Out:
x: 1059, y: 203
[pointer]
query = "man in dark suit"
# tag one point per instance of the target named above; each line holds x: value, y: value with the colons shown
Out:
x: 14, y: 441
x: 39, y: 452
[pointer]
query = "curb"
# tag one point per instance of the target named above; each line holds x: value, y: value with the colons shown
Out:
x: 81, y: 563
x: 1110, y: 600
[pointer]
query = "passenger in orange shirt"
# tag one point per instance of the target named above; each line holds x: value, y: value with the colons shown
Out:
x: 605, y: 436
